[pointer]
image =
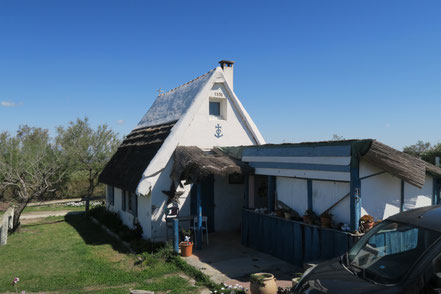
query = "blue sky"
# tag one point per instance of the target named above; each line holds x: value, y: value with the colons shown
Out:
x: 305, y: 70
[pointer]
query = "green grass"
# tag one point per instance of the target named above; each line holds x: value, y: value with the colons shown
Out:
x: 73, y: 255
x: 52, y: 208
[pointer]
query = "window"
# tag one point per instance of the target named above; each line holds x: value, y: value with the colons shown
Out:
x: 124, y: 200
x: 111, y: 195
x: 215, y: 108
x: 133, y: 204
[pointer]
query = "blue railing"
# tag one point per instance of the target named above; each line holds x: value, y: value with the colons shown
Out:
x: 293, y: 241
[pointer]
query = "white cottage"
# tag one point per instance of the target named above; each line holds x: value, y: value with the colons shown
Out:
x: 204, y: 112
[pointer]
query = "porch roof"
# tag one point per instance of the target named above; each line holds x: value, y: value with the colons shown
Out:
x: 193, y: 164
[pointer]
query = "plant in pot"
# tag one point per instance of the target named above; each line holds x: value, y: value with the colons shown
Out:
x: 308, y: 217
x: 263, y: 283
x: 326, y: 219
x: 186, y: 246
x: 366, y: 223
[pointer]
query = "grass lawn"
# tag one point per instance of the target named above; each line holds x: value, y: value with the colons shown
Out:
x: 73, y: 255
x: 50, y: 208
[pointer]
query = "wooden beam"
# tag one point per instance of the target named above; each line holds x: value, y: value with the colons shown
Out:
x: 309, y: 186
x: 199, y: 217
x: 271, y: 193
x: 402, y: 196
x: 355, y: 200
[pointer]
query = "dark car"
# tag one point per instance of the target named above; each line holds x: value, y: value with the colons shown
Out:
x: 402, y: 254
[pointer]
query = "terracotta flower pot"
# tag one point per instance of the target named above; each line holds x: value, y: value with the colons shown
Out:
x: 325, y: 221
x: 307, y: 219
x: 368, y: 226
x: 263, y: 283
x: 186, y: 248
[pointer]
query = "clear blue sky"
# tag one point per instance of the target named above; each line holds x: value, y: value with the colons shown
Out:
x: 305, y: 70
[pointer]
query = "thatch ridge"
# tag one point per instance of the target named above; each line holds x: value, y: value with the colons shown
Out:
x: 193, y: 164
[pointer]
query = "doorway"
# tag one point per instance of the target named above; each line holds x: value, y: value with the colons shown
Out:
x: 207, y: 200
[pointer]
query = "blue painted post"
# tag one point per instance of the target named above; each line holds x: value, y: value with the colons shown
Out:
x: 355, y: 200
x: 176, y: 235
x: 402, y: 196
x: 247, y: 191
x: 309, y: 185
x: 199, y: 216
x: 436, y: 191
x: 271, y: 193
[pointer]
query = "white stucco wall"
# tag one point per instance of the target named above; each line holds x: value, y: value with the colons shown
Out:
x: 228, y: 200
x: 293, y: 192
x: 415, y: 197
x: 327, y: 193
x: 202, y: 129
x: 381, y: 194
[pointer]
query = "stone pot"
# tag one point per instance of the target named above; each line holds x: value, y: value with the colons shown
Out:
x: 263, y: 283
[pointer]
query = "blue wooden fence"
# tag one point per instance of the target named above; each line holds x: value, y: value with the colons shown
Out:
x: 295, y: 242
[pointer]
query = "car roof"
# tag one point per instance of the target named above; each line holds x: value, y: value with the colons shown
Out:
x: 427, y: 217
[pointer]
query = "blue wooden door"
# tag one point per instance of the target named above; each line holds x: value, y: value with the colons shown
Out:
x: 207, y: 201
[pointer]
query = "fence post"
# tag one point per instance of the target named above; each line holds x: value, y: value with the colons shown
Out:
x: 176, y: 235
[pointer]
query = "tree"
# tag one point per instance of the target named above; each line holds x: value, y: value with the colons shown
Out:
x: 418, y: 149
x: 424, y: 150
x: 31, y: 167
x: 88, y: 150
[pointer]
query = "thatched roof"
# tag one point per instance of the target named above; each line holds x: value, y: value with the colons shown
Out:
x: 125, y: 168
x: 433, y: 170
x: 404, y: 166
x: 193, y: 164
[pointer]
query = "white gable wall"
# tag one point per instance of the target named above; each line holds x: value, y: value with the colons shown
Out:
x: 202, y: 129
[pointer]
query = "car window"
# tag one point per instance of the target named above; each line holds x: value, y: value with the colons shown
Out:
x: 386, y: 253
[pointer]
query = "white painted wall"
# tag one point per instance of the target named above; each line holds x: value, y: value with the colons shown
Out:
x: 293, y: 192
x: 202, y: 129
x: 380, y: 194
x: 415, y: 197
x: 228, y: 199
x: 325, y: 194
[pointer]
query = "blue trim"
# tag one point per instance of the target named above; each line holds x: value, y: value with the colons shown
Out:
x: 199, y: 216
x: 271, y: 192
x: 338, y: 150
x: 402, y: 197
x: 301, y: 166
x: 176, y: 235
x: 355, y: 200
x: 309, y: 185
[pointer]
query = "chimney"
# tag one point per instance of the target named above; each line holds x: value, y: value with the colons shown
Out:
x: 227, y: 67
x: 437, y: 161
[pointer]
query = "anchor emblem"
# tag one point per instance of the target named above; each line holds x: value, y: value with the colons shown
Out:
x: 218, y: 131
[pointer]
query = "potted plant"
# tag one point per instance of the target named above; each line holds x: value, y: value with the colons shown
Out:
x: 263, y: 283
x: 186, y: 246
x: 308, y: 217
x: 367, y: 221
x: 326, y: 219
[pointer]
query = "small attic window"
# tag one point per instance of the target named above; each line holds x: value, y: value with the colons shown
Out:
x: 215, y: 108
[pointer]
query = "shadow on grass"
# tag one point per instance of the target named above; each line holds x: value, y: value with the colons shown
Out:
x: 91, y: 233
x: 43, y: 223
